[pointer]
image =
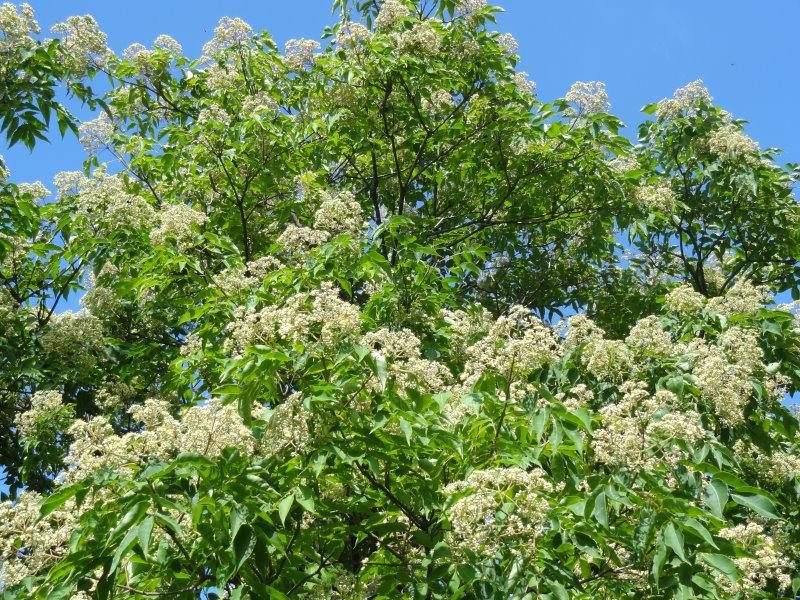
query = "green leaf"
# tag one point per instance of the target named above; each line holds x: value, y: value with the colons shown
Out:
x: 759, y: 504
x: 284, y: 507
x: 716, y: 497
x: 243, y: 545
x: 721, y: 563
x: 124, y: 546
x: 144, y: 531
x: 600, y: 511
x: 673, y: 538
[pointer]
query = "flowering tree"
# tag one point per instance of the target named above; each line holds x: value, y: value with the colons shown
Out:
x: 318, y: 353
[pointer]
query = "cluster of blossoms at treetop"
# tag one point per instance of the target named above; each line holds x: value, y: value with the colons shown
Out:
x: 358, y: 322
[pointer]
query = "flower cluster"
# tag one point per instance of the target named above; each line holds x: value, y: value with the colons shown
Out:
x: 104, y: 201
x: 30, y: 544
x: 589, y: 96
x: 466, y: 8
x: 422, y: 38
x: 351, y: 34
x: 45, y: 416
x: 16, y: 27
x: 390, y: 13
x: 762, y: 563
x: 515, y: 345
x: 638, y: 431
x: 340, y: 213
x: 84, y: 43
x: 508, y: 43
x: 316, y: 316
x: 74, y: 339
x: 524, y: 85
x: 287, y: 427
x: 684, y: 102
x: 178, y: 223
x: 499, y: 508
x: 683, y: 300
x: 404, y: 364
x: 724, y: 376
x: 237, y: 279
x: 659, y: 198
x: 299, y: 240
x: 168, y: 44
x: 742, y: 298
x: 227, y: 34
x: 96, y: 134
x: 731, y: 143
x: 300, y: 53
x: 648, y: 335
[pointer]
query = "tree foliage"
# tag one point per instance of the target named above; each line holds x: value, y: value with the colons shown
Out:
x: 318, y: 352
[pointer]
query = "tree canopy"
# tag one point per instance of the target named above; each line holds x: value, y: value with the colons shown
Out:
x: 366, y: 317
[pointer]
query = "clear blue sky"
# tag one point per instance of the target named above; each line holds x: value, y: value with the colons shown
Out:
x: 745, y: 51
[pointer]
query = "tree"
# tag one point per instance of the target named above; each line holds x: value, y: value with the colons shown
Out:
x: 317, y: 353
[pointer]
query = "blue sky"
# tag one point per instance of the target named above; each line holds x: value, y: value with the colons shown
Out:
x: 745, y: 51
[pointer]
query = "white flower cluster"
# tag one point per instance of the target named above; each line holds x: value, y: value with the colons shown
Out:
x: 764, y: 561
x: 4, y: 172
x: 684, y: 102
x: 607, y: 360
x: 578, y: 396
x: 340, y: 213
x: 742, y: 298
x: 467, y: 8
x: 300, y: 53
x: 206, y: 429
x: 179, y: 223
x: 638, y: 431
x: 44, y: 415
x: 624, y: 163
x: 299, y: 240
x: 259, y: 102
x: 35, y: 189
x: 723, y: 372
x: 515, y: 345
x: 589, y: 96
x: 96, y: 134
x: 227, y: 34
x: 104, y: 201
x: 351, y: 34
x: 659, y: 198
x: 168, y: 44
x: 237, y: 279
x: 316, y: 316
x: 17, y: 25
x: 648, y: 335
x: 508, y: 43
x: 730, y: 143
x: 683, y: 300
x: 74, y: 339
x: 390, y: 13
x: 440, y: 101
x: 422, y: 38
x: 30, y: 544
x: 287, y: 428
x: 404, y: 364
x: 84, y: 43
x: 504, y: 508
x: 524, y: 86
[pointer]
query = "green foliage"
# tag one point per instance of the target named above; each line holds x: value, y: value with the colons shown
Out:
x: 304, y: 368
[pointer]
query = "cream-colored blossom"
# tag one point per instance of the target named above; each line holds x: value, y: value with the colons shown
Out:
x: 300, y: 53
x: 659, y: 198
x: 684, y: 102
x: 74, y: 339
x: 648, y: 335
x: 521, y: 496
x: 683, y: 300
x: 227, y: 34
x: 178, y: 223
x: 83, y: 42
x: 390, y: 13
x: 590, y: 97
x: 17, y: 25
x: 763, y: 561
